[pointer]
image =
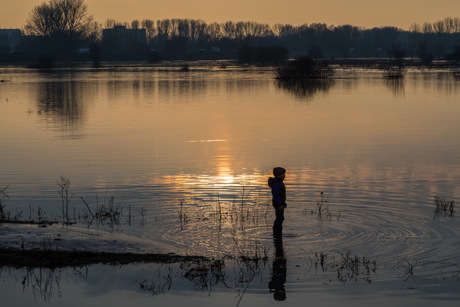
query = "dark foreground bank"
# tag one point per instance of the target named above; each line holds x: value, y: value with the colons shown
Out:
x: 60, y: 259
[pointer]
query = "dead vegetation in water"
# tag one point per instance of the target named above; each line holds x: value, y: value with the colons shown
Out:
x: 444, y: 208
x: 240, y: 213
x: 426, y: 269
x: 234, y: 272
x: 205, y: 274
x: 250, y: 252
x: 157, y: 287
x: 394, y: 72
x: 222, y: 272
x: 66, y: 196
x: 321, y: 211
x: 42, y: 268
x: 345, y: 266
x: 305, y: 68
x: 396, y: 68
x: 6, y: 216
x: 105, y: 211
x: 41, y: 271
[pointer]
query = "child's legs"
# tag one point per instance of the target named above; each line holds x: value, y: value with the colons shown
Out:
x: 279, y: 218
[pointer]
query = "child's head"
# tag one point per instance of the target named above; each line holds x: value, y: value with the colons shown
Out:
x: 279, y: 172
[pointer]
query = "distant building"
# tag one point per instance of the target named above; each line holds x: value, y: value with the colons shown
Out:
x: 10, y: 40
x: 122, y: 40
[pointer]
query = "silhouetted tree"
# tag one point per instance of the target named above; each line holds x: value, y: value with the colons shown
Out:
x: 396, y: 68
x: 61, y: 20
x: 192, y: 35
x: 245, y: 54
x: 263, y: 54
x: 213, y: 31
x: 95, y: 54
x: 135, y: 24
x: 454, y: 56
x: 110, y: 23
x: 425, y: 55
x: 397, y: 53
x: 176, y: 45
x: 149, y: 26
x: 427, y: 28
x: 315, y: 52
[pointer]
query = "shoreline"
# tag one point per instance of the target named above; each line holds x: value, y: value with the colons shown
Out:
x: 32, y: 245
x: 358, y: 62
x: 60, y: 259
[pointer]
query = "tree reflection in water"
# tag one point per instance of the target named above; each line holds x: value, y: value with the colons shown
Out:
x: 63, y: 103
x: 305, y: 89
x: 396, y: 86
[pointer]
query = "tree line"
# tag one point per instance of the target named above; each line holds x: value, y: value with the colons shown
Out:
x: 438, y: 39
x: 69, y: 21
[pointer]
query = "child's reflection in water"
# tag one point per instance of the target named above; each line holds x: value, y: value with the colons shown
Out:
x: 278, y: 276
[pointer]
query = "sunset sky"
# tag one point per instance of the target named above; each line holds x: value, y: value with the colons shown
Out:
x: 364, y: 13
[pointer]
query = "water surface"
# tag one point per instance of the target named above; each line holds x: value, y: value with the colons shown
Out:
x: 190, y: 153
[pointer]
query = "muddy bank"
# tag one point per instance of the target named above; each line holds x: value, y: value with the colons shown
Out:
x: 31, y: 245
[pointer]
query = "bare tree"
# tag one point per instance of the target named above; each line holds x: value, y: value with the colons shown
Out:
x: 61, y: 19
x: 449, y: 25
x: 149, y: 26
x: 214, y: 31
x: 135, y: 24
x: 439, y: 27
x: 427, y: 28
x: 110, y: 23
x: 415, y: 28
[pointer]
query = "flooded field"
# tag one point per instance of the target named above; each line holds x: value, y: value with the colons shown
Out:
x: 185, y: 157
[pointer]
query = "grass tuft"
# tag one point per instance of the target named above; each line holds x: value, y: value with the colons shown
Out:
x: 322, y: 211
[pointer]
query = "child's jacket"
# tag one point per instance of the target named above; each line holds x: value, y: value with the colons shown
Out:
x: 278, y: 192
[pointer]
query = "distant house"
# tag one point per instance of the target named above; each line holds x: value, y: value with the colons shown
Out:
x: 121, y: 40
x: 10, y: 39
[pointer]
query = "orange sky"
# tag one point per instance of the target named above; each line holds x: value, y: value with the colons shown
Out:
x: 365, y: 13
